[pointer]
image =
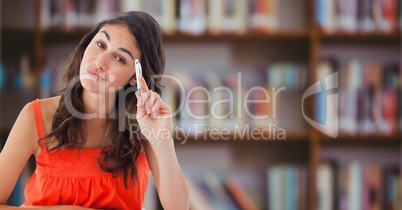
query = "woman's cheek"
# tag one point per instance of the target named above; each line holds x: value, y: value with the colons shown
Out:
x: 115, y: 83
x: 112, y: 78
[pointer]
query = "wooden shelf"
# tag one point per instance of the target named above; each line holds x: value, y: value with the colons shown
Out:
x: 8, y: 34
x: 364, y: 38
x: 17, y: 30
x: 56, y: 35
x: 376, y: 138
x: 248, y: 36
x: 75, y: 35
x: 232, y: 138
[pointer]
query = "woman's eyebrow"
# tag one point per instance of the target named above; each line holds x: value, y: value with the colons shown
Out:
x: 120, y: 48
x: 106, y: 34
x: 126, y: 51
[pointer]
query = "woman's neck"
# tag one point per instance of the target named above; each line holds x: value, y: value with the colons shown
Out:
x: 99, y: 104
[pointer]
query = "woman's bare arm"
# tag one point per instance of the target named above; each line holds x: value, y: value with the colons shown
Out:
x: 20, y: 145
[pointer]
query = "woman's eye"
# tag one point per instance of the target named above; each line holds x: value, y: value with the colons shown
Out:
x: 100, y: 44
x: 121, y: 60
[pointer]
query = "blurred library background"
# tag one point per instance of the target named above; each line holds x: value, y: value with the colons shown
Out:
x: 253, y: 48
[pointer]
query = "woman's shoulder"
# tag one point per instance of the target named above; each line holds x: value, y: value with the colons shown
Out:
x: 48, y: 107
x: 26, y: 125
x: 50, y: 103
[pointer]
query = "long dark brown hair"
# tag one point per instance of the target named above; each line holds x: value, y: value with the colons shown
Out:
x: 68, y: 130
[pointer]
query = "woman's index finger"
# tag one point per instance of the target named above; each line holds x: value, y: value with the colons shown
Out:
x: 143, y: 84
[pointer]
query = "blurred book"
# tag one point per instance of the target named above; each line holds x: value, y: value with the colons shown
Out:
x: 219, y: 193
x: 393, y: 188
x: 238, y: 116
x: 372, y: 187
x: 197, y: 199
x: 188, y: 16
x: 326, y: 186
x: 221, y: 107
x: 389, y: 18
x: 286, y: 187
x: 365, y: 16
x: 357, y: 185
x: 228, y: 16
x: 3, y: 77
x: 370, y: 98
x: 239, y: 194
x: 192, y: 16
x: 326, y: 104
x: 231, y: 101
x: 215, y: 16
x: 354, y: 16
x: 325, y: 14
x: 285, y: 81
x: 210, y: 190
x: 164, y: 11
x: 391, y: 79
x: 346, y: 13
x: 264, y: 15
x: 70, y: 15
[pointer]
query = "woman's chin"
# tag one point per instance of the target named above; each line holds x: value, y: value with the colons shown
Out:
x: 99, y: 87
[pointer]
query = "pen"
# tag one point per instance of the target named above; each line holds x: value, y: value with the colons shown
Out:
x: 138, y: 73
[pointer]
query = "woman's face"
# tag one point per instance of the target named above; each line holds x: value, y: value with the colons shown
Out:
x: 108, y: 61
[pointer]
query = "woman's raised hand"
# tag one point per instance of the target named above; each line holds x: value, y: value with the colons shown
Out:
x: 153, y: 115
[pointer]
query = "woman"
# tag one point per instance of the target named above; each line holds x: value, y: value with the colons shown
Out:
x: 98, y: 140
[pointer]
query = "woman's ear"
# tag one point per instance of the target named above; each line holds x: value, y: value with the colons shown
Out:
x: 133, y: 82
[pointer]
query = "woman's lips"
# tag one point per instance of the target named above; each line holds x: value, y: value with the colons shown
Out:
x: 95, y: 75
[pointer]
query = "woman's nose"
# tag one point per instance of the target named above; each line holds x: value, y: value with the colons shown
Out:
x: 102, y: 61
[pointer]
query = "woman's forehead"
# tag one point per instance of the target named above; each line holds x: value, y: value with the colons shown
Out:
x: 119, y: 35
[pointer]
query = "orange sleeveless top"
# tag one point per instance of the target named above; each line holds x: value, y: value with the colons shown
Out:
x: 73, y: 177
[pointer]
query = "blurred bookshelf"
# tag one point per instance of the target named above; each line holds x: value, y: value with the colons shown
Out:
x: 55, y: 35
x: 235, y: 138
x: 271, y: 44
x: 394, y: 36
x: 363, y: 38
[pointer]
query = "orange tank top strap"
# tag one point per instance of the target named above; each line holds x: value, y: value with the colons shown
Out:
x: 39, y: 124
